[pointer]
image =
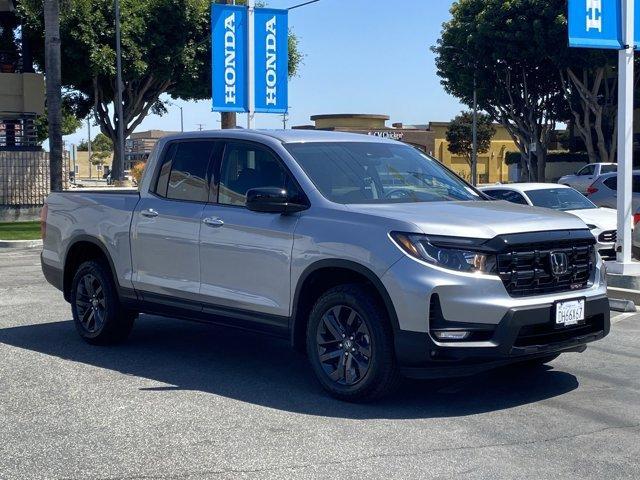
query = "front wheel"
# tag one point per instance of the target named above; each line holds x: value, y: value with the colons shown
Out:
x: 350, y: 344
x: 98, y: 316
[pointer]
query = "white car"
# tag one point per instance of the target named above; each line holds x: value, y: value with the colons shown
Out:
x: 586, y: 175
x: 603, y: 222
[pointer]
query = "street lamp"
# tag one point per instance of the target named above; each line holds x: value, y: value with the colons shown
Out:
x: 181, y: 116
x: 474, y: 128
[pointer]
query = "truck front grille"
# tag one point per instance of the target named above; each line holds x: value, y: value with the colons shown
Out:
x: 527, y: 270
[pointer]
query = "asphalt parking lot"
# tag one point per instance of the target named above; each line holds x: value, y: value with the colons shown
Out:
x: 185, y: 400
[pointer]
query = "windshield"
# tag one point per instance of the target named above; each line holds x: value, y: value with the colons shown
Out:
x: 370, y: 172
x: 560, y: 199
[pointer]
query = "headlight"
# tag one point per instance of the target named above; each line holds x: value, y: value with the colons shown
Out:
x: 591, y: 226
x: 458, y: 259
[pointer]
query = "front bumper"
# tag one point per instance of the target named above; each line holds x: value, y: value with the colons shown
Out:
x: 510, y: 329
x: 523, y: 333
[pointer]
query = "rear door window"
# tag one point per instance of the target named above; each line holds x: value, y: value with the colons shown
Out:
x: 183, y: 175
x: 611, y: 182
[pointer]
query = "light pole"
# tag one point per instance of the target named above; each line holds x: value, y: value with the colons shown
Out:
x: 474, y: 135
x: 181, y: 116
x: 89, y: 144
x: 118, y: 172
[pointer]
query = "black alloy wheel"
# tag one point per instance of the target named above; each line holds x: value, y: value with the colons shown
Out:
x: 350, y: 344
x: 344, y: 345
x: 90, y: 303
x: 99, y: 316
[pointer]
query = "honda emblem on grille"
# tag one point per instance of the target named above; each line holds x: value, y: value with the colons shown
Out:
x: 559, y: 263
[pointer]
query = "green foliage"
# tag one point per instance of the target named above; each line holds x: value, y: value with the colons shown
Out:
x: 166, y: 49
x: 102, y: 143
x: 503, y: 47
x: 513, y: 158
x: 460, y: 134
x: 70, y: 123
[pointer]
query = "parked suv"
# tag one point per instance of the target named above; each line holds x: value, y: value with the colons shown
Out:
x: 365, y: 253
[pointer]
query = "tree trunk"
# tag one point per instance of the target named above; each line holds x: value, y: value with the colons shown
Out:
x: 54, y: 91
x: 541, y: 158
x: 228, y: 119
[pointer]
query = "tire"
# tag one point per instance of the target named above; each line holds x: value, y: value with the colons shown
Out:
x: 538, y: 362
x: 350, y: 345
x: 98, y: 315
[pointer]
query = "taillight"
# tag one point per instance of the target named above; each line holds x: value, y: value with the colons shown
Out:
x: 591, y: 190
x: 636, y: 218
x: 43, y: 220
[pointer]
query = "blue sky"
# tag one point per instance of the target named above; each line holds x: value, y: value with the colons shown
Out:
x: 362, y: 56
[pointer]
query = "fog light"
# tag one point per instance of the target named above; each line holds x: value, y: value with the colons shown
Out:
x: 451, y: 335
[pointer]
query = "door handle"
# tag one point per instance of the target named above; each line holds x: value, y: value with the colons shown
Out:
x: 149, y: 213
x: 213, y: 222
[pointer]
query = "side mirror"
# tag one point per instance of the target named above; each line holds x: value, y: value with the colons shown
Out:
x: 273, y: 200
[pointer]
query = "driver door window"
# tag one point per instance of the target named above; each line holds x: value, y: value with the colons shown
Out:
x: 246, y: 167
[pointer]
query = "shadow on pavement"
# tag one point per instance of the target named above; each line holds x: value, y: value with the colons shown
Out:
x: 266, y: 371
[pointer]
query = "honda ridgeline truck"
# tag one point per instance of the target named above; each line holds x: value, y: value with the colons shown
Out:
x: 367, y: 254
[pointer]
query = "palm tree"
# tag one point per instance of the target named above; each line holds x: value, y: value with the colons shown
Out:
x: 54, y: 90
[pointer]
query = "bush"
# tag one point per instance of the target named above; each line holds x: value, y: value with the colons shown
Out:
x: 137, y: 170
x: 513, y: 158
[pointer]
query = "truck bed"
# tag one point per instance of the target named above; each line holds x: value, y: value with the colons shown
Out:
x: 99, y: 214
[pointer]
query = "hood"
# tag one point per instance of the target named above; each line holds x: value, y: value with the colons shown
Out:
x: 481, y: 219
x: 603, y: 218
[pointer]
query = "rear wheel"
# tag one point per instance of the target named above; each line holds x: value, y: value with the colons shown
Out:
x: 97, y: 313
x: 350, y: 345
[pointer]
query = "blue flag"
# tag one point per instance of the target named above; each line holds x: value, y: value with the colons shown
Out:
x: 229, y: 58
x: 271, y: 60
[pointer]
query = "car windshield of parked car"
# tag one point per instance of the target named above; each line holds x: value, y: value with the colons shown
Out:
x: 560, y: 199
x: 372, y: 172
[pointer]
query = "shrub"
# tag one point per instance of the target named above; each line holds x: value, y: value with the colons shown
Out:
x: 137, y: 170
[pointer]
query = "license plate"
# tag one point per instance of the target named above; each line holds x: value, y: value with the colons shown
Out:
x: 570, y: 312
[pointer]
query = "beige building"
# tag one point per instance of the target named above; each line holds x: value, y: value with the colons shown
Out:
x: 373, y: 124
x: 491, y: 165
x: 430, y: 138
x: 85, y: 170
x: 139, y: 145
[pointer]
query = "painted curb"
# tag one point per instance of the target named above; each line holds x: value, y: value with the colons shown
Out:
x: 20, y: 243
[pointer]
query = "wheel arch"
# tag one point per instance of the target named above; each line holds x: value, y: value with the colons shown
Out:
x: 84, y: 248
x: 317, y: 278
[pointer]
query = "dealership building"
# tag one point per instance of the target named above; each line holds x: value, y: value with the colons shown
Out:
x: 430, y: 138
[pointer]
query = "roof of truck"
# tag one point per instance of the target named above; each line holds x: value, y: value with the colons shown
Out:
x: 285, y: 136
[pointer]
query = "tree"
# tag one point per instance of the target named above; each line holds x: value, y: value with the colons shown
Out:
x: 102, y: 143
x: 166, y: 49
x: 54, y: 90
x: 70, y: 123
x: 505, y: 45
x: 460, y: 135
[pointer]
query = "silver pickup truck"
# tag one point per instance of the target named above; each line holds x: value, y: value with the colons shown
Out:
x: 366, y: 254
